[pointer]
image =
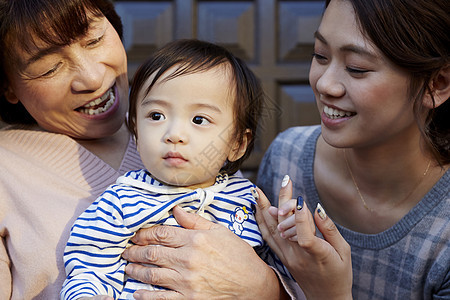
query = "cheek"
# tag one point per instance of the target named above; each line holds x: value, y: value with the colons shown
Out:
x: 314, y: 75
x: 40, y: 99
x: 147, y: 151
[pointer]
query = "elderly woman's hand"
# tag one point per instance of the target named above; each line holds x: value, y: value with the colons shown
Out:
x: 203, y: 260
x: 322, y: 267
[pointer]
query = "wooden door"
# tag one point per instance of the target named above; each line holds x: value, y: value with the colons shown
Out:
x: 274, y: 37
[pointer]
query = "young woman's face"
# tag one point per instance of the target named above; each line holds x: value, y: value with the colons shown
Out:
x: 80, y: 90
x: 185, y: 125
x: 362, y: 97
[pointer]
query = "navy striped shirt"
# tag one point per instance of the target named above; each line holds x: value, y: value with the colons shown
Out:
x: 92, y: 256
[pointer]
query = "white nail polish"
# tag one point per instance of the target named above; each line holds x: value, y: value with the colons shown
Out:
x: 285, y: 181
x: 321, y: 211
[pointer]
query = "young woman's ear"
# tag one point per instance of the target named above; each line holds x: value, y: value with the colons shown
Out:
x: 239, y: 149
x: 11, y: 96
x: 440, y: 87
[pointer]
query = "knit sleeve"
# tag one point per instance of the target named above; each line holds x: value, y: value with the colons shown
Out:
x: 92, y: 256
x: 5, y: 272
x: 444, y: 292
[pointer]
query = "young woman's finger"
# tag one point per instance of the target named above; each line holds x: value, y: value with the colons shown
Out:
x: 305, y: 227
x: 268, y: 224
x: 287, y: 225
x: 331, y: 234
x: 284, y: 197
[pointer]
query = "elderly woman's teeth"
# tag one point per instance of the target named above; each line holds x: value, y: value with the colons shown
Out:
x: 99, y: 100
x: 333, y: 113
x: 93, y: 108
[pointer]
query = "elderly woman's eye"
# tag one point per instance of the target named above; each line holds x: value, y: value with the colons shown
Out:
x: 51, y: 71
x: 95, y: 41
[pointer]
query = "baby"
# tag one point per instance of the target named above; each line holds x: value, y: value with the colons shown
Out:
x: 194, y: 110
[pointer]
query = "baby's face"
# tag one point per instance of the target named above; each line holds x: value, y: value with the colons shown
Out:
x: 185, y: 126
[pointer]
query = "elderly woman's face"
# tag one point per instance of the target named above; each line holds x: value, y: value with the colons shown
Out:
x: 80, y: 90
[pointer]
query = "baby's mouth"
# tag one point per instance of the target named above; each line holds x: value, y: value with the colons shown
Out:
x: 334, y: 113
x: 99, y: 105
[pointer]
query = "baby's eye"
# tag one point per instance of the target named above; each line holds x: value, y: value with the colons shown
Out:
x: 200, y: 120
x: 157, y: 116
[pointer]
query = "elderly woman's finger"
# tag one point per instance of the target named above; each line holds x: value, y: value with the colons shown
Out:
x: 192, y: 221
x: 157, y: 295
x: 153, y: 275
x: 172, y: 236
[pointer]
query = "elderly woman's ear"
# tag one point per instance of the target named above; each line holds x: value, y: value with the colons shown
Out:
x: 11, y: 96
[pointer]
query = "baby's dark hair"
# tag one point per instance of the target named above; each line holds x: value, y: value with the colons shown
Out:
x: 60, y: 23
x: 193, y: 56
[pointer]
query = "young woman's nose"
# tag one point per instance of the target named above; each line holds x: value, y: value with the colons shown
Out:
x: 329, y: 83
x: 89, y: 75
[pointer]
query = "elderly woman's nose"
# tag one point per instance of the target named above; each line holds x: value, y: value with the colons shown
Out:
x: 89, y: 74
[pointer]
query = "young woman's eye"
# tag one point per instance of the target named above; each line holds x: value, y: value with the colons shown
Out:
x: 200, y: 120
x: 319, y: 58
x: 356, y: 72
x: 155, y: 116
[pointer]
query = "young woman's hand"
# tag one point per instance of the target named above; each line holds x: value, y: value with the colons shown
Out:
x: 322, y: 267
x: 203, y: 260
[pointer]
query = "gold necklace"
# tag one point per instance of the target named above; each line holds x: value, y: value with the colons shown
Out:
x: 359, y: 192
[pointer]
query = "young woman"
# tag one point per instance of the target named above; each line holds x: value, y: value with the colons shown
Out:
x: 378, y: 164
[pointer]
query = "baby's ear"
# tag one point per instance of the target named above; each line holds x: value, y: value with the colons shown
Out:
x: 440, y: 87
x: 11, y: 96
x: 238, y: 149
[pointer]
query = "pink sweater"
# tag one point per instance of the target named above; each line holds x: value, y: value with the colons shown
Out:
x: 46, y: 181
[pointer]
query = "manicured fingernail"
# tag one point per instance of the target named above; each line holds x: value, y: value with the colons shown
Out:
x: 299, y: 202
x: 285, y: 181
x: 321, y: 211
x: 254, y: 193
